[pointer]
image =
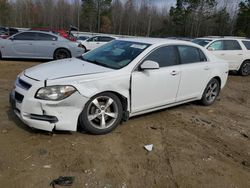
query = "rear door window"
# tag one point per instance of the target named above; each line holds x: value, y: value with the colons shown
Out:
x: 247, y: 44
x: 231, y: 45
x: 189, y: 54
x: 45, y: 37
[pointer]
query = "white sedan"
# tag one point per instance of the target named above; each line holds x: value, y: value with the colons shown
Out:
x: 39, y: 45
x: 121, y: 79
x: 96, y: 41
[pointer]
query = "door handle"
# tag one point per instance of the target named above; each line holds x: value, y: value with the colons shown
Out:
x: 240, y: 54
x: 30, y: 44
x: 206, y: 68
x: 173, y: 73
x: 222, y: 54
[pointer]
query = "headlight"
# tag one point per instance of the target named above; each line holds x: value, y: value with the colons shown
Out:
x: 55, y: 93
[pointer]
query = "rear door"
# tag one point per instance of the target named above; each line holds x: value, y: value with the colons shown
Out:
x: 229, y: 50
x: 45, y: 45
x: 195, y: 72
x: 22, y: 45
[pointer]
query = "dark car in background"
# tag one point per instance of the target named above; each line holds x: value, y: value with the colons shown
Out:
x: 6, y: 32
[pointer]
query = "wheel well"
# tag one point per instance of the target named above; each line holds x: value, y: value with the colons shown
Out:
x: 123, y: 100
x: 0, y: 55
x: 218, y: 79
x: 62, y: 49
x: 246, y: 60
x: 84, y: 47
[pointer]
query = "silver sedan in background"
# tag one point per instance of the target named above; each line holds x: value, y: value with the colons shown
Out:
x: 39, y: 45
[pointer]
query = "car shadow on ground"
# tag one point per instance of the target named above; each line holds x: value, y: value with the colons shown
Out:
x: 233, y: 73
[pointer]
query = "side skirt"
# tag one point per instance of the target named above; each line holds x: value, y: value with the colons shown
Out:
x: 162, y: 107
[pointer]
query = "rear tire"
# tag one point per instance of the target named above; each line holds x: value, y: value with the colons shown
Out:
x: 61, y: 54
x: 211, y: 92
x: 101, y: 114
x: 245, y: 68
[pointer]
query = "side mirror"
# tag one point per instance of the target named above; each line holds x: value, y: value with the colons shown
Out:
x: 210, y: 49
x: 149, y: 65
x: 11, y: 38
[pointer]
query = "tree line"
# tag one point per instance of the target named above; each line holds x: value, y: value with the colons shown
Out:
x: 188, y: 18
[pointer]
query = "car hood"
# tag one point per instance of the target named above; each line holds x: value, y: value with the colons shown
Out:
x: 63, y: 68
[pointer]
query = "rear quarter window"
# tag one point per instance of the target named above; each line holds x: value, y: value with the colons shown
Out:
x: 247, y: 44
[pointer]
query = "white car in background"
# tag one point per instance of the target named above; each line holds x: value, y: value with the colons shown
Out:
x: 39, y: 45
x: 232, y: 49
x: 96, y: 41
x: 81, y: 38
x: 122, y: 79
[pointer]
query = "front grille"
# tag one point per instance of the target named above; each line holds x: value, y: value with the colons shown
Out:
x: 23, y: 84
x: 18, y: 97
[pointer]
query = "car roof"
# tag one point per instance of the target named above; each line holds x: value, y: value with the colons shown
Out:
x: 36, y: 31
x: 157, y: 41
x: 104, y: 36
x: 223, y: 38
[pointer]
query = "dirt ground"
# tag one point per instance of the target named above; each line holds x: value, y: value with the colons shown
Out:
x: 194, y: 146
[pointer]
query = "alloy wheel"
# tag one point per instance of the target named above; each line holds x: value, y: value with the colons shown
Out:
x: 212, y: 92
x: 246, y: 68
x: 102, y: 112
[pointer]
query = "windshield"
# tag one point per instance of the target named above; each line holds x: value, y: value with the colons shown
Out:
x: 116, y: 54
x: 201, y: 42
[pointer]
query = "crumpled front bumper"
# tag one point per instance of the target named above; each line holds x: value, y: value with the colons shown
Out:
x: 42, y: 114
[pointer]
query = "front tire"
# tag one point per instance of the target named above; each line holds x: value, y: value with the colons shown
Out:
x: 101, y: 114
x: 211, y: 92
x: 245, y: 68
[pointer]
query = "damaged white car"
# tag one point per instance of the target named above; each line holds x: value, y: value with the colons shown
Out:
x: 121, y: 79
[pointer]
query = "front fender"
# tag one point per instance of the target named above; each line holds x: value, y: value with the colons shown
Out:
x: 119, y: 84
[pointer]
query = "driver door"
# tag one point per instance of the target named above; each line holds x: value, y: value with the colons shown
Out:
x: 157, y: 87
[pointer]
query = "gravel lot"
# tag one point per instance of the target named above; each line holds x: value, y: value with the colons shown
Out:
x: 194, y: 146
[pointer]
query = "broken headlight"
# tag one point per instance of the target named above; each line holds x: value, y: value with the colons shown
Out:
x: 55, y: 93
